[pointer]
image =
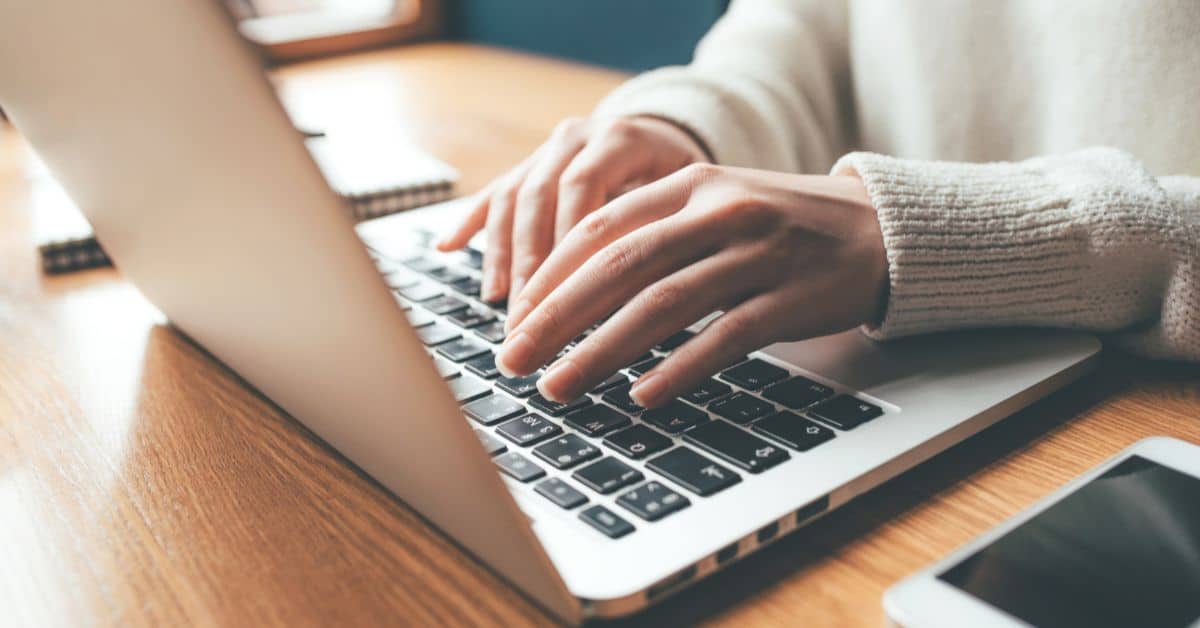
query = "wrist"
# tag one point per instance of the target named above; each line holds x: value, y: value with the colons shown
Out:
x: 688, y: 136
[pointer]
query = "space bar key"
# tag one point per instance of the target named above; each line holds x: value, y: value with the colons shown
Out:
x: 736, y: 446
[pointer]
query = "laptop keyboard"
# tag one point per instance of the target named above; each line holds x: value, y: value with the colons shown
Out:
x: 581, y: 455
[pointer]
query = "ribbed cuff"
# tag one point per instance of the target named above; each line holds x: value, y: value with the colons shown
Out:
x: 974, y: 245
x: 697, y: 107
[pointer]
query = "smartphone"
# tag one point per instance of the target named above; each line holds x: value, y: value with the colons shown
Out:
x: 1119, y: 546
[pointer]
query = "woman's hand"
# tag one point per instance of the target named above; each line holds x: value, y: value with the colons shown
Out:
x: 581, y: 167
x: 787, y: 257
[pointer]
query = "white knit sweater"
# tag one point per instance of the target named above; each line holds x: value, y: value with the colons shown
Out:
x: 1082, y: 109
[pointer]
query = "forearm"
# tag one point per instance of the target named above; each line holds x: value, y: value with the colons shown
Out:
x: 1087, y: 240
x: 767, y: 89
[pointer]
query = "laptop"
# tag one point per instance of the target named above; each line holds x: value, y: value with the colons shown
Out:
x: 158, y: 120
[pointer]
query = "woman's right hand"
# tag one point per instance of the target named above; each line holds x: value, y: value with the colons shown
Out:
x: 583, y: 165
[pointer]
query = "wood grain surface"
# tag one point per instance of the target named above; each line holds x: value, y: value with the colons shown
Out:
x: 142, y: 484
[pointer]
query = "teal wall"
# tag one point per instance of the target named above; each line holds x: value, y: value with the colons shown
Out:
x: 625, y: 34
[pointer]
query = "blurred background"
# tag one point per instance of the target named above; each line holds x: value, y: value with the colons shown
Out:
x: 627, y: 35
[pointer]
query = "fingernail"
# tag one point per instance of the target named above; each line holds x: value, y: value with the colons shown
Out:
x: 648, y: 389
x: 517, y: 313
x: 560, y: 382
x: 515, y: 353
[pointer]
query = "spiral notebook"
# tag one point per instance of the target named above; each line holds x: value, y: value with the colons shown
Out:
x: 379, y: 174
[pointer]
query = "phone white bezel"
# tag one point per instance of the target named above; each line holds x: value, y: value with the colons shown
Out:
x: 923, y: 601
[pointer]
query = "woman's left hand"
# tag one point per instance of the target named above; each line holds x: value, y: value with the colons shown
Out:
x: 786, y: 257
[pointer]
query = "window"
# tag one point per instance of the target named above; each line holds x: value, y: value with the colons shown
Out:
x: 292, y: 29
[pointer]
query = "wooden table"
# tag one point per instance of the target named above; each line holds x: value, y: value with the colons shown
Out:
x: 141, y: 483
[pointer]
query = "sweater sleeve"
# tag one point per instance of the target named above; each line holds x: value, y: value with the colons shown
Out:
x: 768, y: 72
x: 1087, y: 240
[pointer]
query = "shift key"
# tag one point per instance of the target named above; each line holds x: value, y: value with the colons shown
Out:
x: 736, y: 446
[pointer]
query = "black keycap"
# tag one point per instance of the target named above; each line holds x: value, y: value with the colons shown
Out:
x: 675, y: 417
x: 581, y: 337
x: 518, y: 467
x: 462, y: 349
x: 445, y: 368
x: 444, y: 304
x: 741, y: 408
x: 607, y: 475
x: 845, y: 412
x: 653, y: 501
x: 673, y: 341
x: 437, y: 334
x: 447, y: 275
x: 491, y: 444
x: 798, y: 392
x: 562, y: 494
x: 471, y: 317
x: 641, y: 358
x: 643, y: 367
x: 466, y: 388
x: 693, y: 471
x: 566, y: 451
x: 421, y: 292
x: 491, y: 332
x: 736, y: 447
x: 530, y: 429
x: 794, y: 430
x: 620, y: 398
x: 471, y: 258
x: 484, y: 366
x: 554, y: 408
x: 469, y: 286
x: 596, y: 420
x: 616, y: 379
x: 753, y: 374
x: 708, y: 391
x: 421, y: 264
x: 521, y: 386
x: 637, y: 442
x: 606, y: 522
x: 494, y: 409
x: 419, y: 319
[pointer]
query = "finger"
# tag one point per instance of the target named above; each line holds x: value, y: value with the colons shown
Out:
x: 497, y: 257
x: 725, y: 341
x: 469, y: 225
x: 658, y: 311
x: 604, y: 283
x: 599, y: 230
x: 533, y: 223
x: 597, y: 173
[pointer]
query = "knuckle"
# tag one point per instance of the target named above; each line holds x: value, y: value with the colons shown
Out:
x: 594, y: 225
x: 568, y: 126
x: 698, y: 173
x: 551, y: 316
x: 618, y: 259
x: 663, y: 296
x: 621, y: 128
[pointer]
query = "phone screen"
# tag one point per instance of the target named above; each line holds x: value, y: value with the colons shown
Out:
x: 1123, y: 550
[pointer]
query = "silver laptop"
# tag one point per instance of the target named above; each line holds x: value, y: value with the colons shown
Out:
x: 157, y: 119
